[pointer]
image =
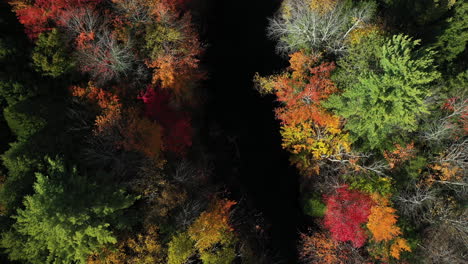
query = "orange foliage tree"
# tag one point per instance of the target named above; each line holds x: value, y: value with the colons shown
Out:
x: 107, y: 103
x: 141, y: 134
x: 385, y: 232
x: 309, y: 131
x: 318, y: 248
x: 382, y: 220
x: 174, y: 49
x: 399, y: 245
x: 399, y: 155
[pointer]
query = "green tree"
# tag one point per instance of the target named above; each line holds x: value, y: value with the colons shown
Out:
x: 370, y: 183
x: 21, y: 123
x: 50, y: 55
x: 452, y: 41
x: 66, y: 219
x: 384, y: 93
x: 314, y: 206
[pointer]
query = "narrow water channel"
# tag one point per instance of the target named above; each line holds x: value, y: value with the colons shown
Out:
x: 256, y: 166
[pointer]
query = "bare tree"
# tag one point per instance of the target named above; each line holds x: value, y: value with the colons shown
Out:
x: 189, y: 212
x: 136, y: 11
x: 457, y: 155
x: 98, y: 52
x: 444, y: 128
x: 442, y: 244
x: 415, y: 202
x: 299, y: 26
x: 78, y: 20
x: 356, y: 160
x: 106, y: 59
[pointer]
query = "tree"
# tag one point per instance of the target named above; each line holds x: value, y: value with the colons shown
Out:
x: 50, y: 55
x: 379, y: 102
x: 318, y: 248
x: 382, y: 220
x: 108, y: 105
x: 181, y: 248
x: 37, y: 16
x: 450, y: 168
x: 138, y: 12
x: 346, y: 211
x: 211, y: 226
x: 98, y: 49
x: 398, y: 246
x: 210, y: 235
x: 309, y: 132
x: 22, y: 122
x: 313, y: 206
x: 399, y: 155
x: 317, y: 25
x: 173, y: 47
x: 142, y: 248
x: 104, y: 58
x: 225, y: 253
x: 177, y: 125
x: 453, y: 39
x: 140, y: 134
x: 451, y: 125
x: 161, y: 194
x: 443, y: 243
x: 66, y: 219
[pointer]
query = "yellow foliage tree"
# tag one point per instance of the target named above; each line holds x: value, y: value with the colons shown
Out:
x: 144, y: 248
x: 322, y: 6
x: 212, y: 225
x: 356, y: 35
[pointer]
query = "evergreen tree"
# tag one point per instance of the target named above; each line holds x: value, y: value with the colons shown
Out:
x: 50, y: 55
x: 385, y: 92
x: 452, y: 41
x: 67, y: 218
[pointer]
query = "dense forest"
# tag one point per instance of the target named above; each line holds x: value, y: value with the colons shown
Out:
x: 225, y: 132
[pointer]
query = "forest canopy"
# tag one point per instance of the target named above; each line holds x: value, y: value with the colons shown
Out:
x: 218, y: 132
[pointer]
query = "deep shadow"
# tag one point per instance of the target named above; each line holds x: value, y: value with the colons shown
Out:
x: 252, y: 165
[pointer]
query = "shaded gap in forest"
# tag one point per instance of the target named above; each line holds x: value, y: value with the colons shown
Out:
x: 252, y: 163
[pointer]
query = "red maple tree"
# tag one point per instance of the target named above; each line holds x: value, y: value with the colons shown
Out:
x: 40, y: 15
x: 176, y: 124
x: 346, y: 211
